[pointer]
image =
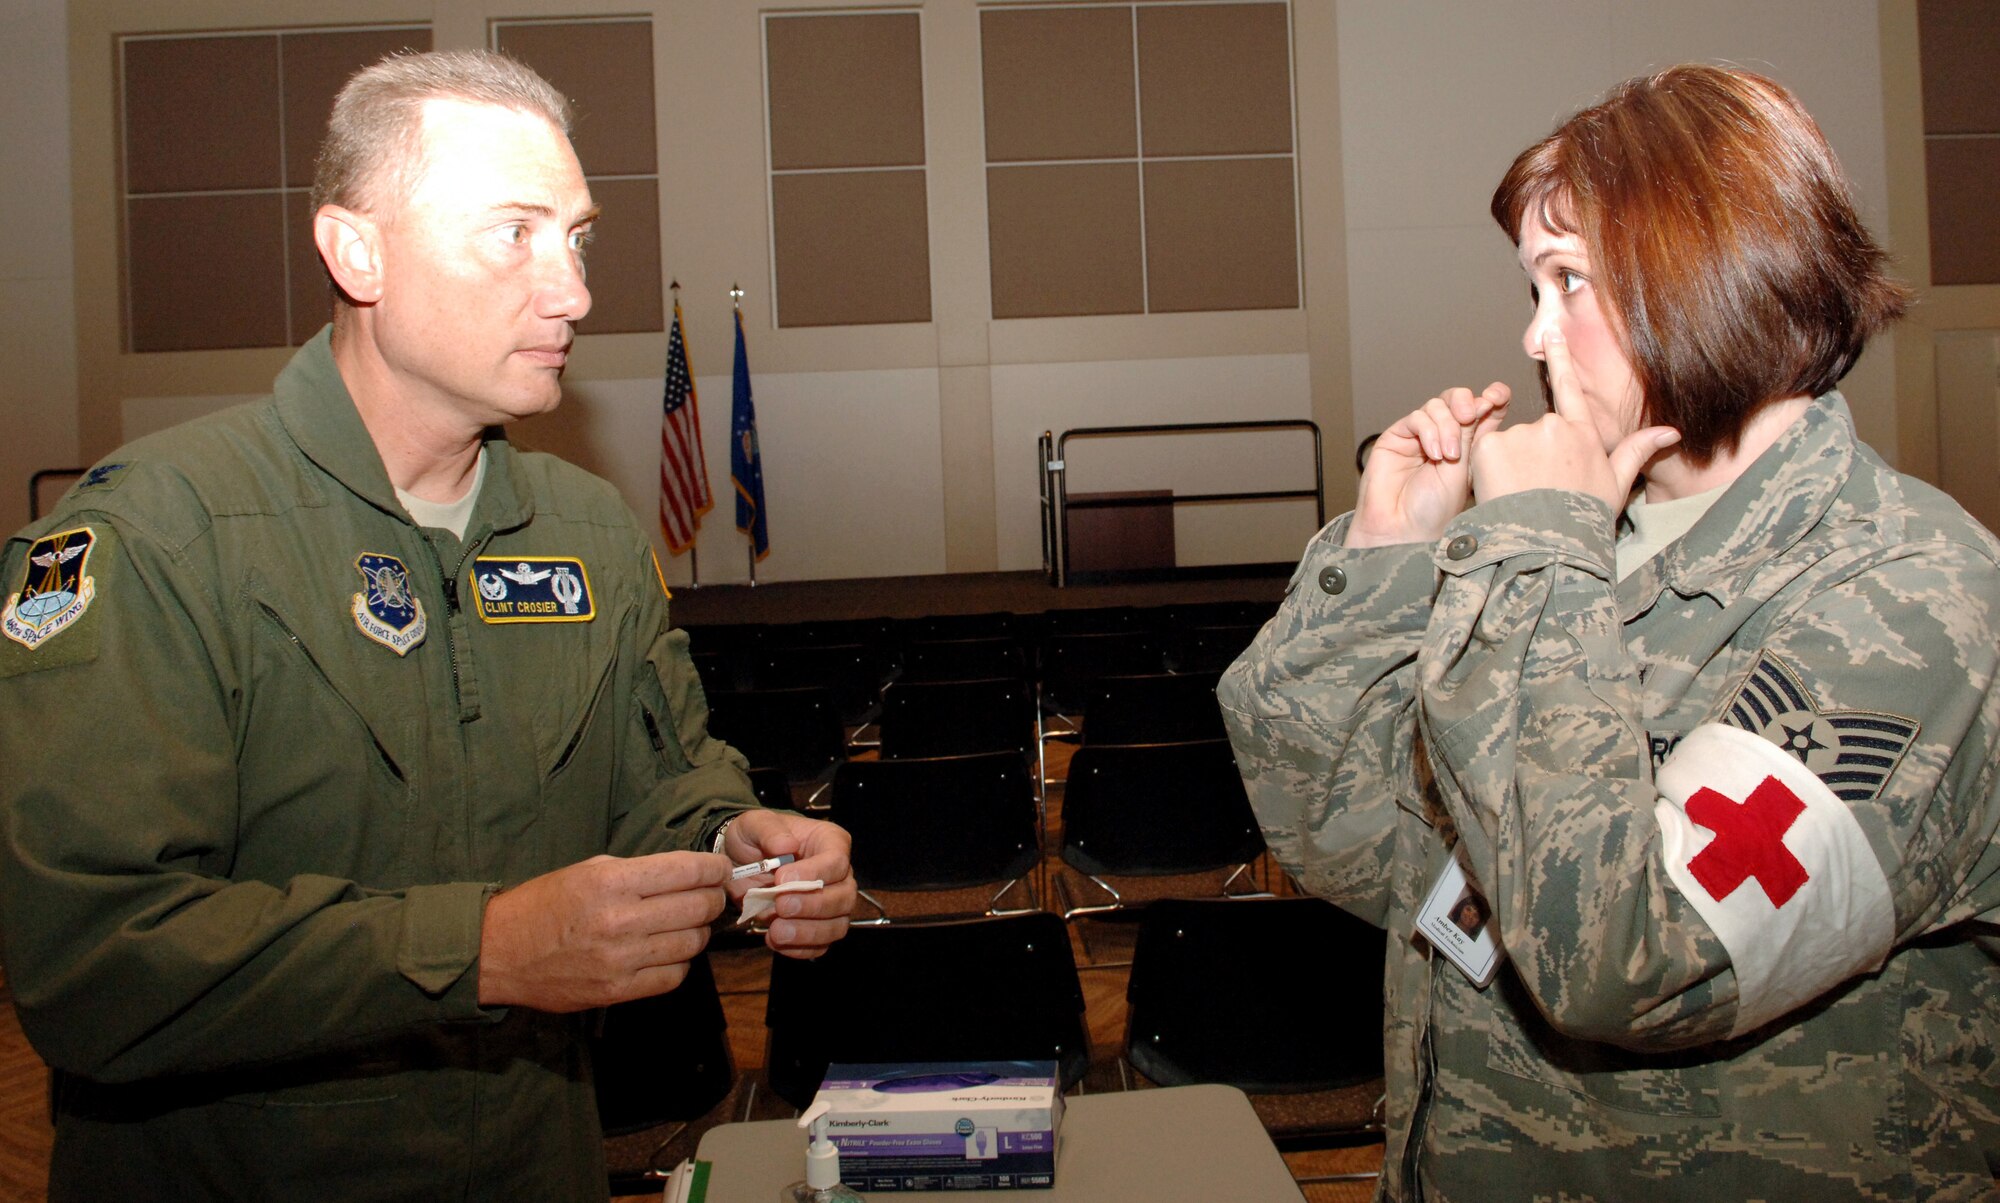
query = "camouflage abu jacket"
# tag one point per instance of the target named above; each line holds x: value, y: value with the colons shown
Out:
x: 1734, y: 819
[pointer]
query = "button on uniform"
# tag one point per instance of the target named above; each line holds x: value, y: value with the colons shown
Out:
x: 1332, y: 580
x: 1461, y: 547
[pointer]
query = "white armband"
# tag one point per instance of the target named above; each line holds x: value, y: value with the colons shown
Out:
x: 1776, y: 864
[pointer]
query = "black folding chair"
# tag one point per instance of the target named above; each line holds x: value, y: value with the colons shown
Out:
x: 939, y: 824
x: 797, y: 730
x: 1154, y: 709
x: 654, y: 1062
x: 853, y: 673
x: 997, y: 989
x: 1279, y: 997
x: 1071, y: 662
x: 931, y: 628
x: 1154, y: 810
x: 958, y: 718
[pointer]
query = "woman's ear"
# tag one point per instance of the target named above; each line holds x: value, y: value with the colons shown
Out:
x: 350, y: 245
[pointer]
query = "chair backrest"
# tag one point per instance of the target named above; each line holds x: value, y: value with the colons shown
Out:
x: 1070, y: 662
x: 1153, y: 709
x: 853, y: 673
x: 1153, y: 809
x: 1298, y: 1006
x: 964, y: 659
x: 1209, y: 649
x: 663, y: 1059
x: 974, y: 990
x: 939, y: 823
x: 1098, y: 620
x: 931, y: 628
x: 957, y: 718
x: 797, y: 730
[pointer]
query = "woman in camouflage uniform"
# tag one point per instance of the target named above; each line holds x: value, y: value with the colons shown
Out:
x: 1690, y: 686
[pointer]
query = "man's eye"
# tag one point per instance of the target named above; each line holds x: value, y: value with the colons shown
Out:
x: 579, y: 239
x: 514, y: 234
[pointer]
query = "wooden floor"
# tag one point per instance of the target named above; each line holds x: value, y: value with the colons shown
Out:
x: 743, y: 973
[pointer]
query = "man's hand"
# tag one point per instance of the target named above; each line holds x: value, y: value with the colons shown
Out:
x: 1418, y: 476
x: 1564, y: 449
x: 807, y: 922
x: 599, y: 932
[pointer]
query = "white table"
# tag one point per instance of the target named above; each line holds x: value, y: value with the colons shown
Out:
x: 1172, y: 1143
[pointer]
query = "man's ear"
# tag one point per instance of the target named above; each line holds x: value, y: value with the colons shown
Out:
x: 350, y: 244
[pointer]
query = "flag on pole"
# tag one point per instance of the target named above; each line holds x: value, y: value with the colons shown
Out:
x: 684, y: 495
x: 746, y: 469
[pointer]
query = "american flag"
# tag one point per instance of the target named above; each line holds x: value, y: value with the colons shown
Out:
x: 684, y: 495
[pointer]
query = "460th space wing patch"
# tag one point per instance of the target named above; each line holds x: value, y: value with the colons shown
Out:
x: 532, y: 589
x: 1852, y: 751
x: 54, y: 591
x: 386, y: 610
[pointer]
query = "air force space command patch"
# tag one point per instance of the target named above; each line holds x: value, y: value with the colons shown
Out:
x: 1853, y: 751
x: 54, y: 592
x: 532, y: 589
x: 385, y: 609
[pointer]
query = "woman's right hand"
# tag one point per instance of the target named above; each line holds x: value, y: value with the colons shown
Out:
x: 1419, y: 476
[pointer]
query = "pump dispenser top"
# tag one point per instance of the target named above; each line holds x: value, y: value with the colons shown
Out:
x: 822, y: 1180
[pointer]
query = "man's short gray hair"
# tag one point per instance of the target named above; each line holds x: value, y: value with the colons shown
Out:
x: 373, y: 150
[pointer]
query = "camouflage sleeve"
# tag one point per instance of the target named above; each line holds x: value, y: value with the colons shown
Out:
x: 1530, y: 706
x: 1319, y: 711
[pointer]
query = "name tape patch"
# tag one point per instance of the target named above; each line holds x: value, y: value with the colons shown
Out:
x: 532, y: 589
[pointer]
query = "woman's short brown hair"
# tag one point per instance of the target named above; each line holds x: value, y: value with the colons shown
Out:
x: 1723, y: 241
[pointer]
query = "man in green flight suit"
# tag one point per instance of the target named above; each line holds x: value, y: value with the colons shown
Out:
x: 349, y: 760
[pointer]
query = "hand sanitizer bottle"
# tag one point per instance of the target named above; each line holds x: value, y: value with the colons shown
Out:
x: 822, y: 1180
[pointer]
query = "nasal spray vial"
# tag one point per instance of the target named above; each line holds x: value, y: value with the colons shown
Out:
x: 822, y: 1180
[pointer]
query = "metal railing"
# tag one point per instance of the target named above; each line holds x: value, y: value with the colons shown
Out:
x: 1052, y: 457
x: 35, y: 487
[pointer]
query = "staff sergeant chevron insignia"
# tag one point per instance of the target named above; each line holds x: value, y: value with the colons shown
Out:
x: 1853, y: 751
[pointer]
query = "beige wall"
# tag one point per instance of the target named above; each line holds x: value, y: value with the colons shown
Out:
x: 910, y: 448
x: 1437, y: 96
x: 37, y: 304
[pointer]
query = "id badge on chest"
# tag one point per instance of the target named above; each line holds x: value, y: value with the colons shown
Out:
x: 1457, y: 922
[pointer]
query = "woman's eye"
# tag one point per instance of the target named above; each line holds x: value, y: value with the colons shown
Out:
x: 1568, y: 281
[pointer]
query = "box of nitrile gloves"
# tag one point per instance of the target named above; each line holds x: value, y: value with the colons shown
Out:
x: 958, y: 1125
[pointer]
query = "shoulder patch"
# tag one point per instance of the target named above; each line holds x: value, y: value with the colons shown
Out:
x: 1852, y: 751
x: 55, y: 590
x: 532, y: 589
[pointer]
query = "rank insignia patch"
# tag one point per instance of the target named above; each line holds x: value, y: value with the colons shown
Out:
x: 54, y: 593
x: 1852, y: 751
x: 385, y: 609
x: 532, y: 589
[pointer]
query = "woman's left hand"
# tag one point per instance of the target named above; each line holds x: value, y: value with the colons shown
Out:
x: 1563, y: 450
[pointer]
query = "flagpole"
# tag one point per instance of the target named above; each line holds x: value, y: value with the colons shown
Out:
x: 694, y: 552
x: 736, y: 299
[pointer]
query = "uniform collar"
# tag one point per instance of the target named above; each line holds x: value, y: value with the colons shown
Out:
x: 1773, y: 505
x: 318, y: 413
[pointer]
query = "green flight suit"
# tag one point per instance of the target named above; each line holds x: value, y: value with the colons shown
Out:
x: 264, y: 767
x: 1497, y: 696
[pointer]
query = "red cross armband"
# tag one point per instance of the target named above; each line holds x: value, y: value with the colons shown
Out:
x: 1776, y: 864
